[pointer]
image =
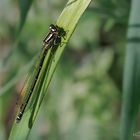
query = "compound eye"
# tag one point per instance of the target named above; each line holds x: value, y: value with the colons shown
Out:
x: 53, y: 28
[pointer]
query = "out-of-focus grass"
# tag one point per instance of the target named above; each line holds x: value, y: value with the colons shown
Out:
x: 94, y: 102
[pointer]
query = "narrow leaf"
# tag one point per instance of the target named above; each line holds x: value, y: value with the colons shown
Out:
x: 24, y: 6
x: 131, y: 83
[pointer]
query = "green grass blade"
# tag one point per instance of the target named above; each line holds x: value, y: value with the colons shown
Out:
x: 131, y: 85
x: 24, y: 6
x: 68, y: 20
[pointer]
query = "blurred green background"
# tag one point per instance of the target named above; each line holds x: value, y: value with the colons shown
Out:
x: 84, y: 97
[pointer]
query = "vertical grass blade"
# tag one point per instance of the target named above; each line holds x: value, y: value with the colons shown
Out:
x: 24, y: 6
x: 131, y: 83
x: 67, y: 20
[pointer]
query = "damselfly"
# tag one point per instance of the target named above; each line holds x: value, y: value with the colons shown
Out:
x: 51, y: 40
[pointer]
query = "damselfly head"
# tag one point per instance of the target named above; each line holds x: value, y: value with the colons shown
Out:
x: 53, y: 28
x: 19, y: 117
x: 57, y: 30
x: 54, y: 36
